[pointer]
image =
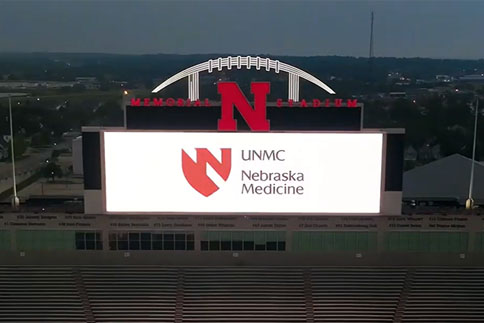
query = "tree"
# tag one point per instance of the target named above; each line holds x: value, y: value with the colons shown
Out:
x: 40, y: 139
x: 52, y: 170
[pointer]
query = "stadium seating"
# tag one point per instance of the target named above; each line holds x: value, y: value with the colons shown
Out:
x: 39, y: 294
x: 356, y: 295
x: 243, y: 295
x: 446, y: 295
x: 127, y: 294
x: 240, y: 294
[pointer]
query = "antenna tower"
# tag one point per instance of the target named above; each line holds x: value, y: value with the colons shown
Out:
x: 371, y: 54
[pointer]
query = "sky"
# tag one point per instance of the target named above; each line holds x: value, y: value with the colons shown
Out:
x: 403, y: 28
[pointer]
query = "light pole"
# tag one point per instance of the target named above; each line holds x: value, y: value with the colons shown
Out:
x: 124, y: 103
x: 15, y: 199
x: 470, y: 200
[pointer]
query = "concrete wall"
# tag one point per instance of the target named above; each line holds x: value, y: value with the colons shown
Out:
x: 469, y: 252
x: 220, y: 258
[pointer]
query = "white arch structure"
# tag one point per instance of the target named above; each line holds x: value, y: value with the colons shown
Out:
x: 239, y: 61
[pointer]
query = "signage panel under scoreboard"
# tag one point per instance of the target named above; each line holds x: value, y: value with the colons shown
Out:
x: 236, y: 112
x: 208, y: 172
x: 205, y: 118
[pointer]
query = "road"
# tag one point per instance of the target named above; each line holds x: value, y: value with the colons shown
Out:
x: 25, y: 167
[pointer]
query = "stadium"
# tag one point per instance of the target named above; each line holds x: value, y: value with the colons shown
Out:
x: 241, y: 210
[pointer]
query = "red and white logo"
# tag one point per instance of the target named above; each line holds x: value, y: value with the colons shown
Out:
x: 232, y: 97
x: 196, y: 171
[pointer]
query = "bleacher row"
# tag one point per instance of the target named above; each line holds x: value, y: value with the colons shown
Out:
x: 240, y: 294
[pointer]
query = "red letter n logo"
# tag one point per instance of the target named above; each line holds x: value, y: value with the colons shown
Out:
x: 196, y: 172
x: 233, y: 96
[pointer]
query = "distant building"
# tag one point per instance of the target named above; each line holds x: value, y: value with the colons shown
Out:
x: 120, y: 83
x: 397, y: 94
x: 24, y: 85
x: 84, y: 79
x: 77, y: 167
x: 90, y: 83
x: 394, y: 76
x: 443, y: 78
x: 444, y: 181
x: 70, y: 136
x: 478, y: 78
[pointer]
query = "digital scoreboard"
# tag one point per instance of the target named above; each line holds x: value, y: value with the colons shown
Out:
x: 209, y: 172
x: 240, y: 154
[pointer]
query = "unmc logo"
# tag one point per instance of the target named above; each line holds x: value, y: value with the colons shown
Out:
x: 196, y: 172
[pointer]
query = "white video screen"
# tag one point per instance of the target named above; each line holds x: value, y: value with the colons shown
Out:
x: 208, y: 172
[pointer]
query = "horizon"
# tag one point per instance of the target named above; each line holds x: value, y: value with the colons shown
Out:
x: 427, y: 29
x: 231, y: 54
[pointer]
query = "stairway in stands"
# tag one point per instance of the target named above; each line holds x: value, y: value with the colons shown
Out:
x: 131, y: 294
x: 243, y: 295
x: 240, y: 294
x: 446, y: 295
x: 39, y: 294
x: 356, y: 294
